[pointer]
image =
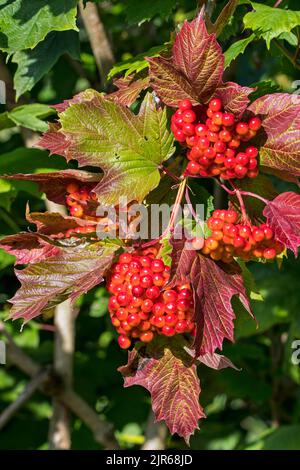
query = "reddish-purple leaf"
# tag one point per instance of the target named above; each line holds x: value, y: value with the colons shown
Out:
x: 213, y: 360
x: 72, y: 272
x: 280, y: 139
x: 29, y: 247
x: 283, y: 216
x: 54, y: 184
x: 169, y: 83
x: 197, y: 55
x: 182, y: 260
x: 54, y: 223
x: 129, y: 90
x: 214, y: 286
x: 234, y: 97
x: 54, y: 141
x: 168, y: 373
x: 86, y: 95
x: 195, y: 69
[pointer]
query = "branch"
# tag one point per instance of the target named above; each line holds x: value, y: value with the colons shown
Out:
x: 102, y: 430
x: 286, y: 53
x: 59, y: 429
x: 155, y: 436
x: 223, y: 17
x: 98, y: 38
x: 27, y: 393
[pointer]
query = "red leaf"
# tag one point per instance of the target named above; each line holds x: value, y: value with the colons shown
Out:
x: 169, y: 83
x: 28, y: 247
x: 86, y: 95
x: 72, y: 272
x: 54, y: 183
x: 234, y: 97
x: 182, y: 260
x: 167, y: 372
x: 197, y: 54
x: 54, y: 223
x: 128, y: 90
x: 280, y: 139
x: 54, y: 141
x: 213, y: 361
x: 214, y: 286
x: 283, y: 216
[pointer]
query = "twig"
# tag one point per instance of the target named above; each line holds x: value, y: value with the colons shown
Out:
x: 27, y: 393
x: 59, y: 428
x: 102, y: 431
x: 155, y: 436
x: 287, y: 53
x: 241, y: 202
x: 98, y: 38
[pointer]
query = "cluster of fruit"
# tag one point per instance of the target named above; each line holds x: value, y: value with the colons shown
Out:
x: 81, y: 202
x: 141, y: 305
x: 217, y: 143
x: 231, y: 239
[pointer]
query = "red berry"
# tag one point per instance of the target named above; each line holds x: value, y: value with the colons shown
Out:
x: 215, y: 104
x: 147, y: 336
x: 185, y: 104
x: 179, y: 135
x: 189, y: 116
x: 168, y: 330
x: 124, y: 342
x: 188, y: 129
x: 242, y: 128
x: 240, y: 171
x: 252, y: 152
x: 228, y: 119
x: 255, y: 124
x: 170, y: 296
x: 193, y: 168
x: 225, y: 136
x: 153, y: 292
x: 269, y: 253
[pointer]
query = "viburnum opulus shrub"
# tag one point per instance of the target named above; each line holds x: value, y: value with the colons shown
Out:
x: 170, y: 299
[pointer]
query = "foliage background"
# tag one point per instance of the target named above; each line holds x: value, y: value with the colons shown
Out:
x: 255, y: 408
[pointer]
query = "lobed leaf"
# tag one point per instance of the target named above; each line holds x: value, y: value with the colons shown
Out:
x: 236, y: 49
x: 71, y: 272
x: 269, y: 23
x: 280, y: 138
x: 129, y: 90
x: 195, y: 69
x: 169, y: 374
x: 128, y: 148
x: 235, y: 98
x: 24, y: 24
x: 29, y: 247
x: 283, y: 216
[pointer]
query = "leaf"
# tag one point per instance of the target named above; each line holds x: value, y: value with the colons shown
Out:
x: 236, y: 49
x: 30, y: 116
x: 269, y: 23
x: 196, y: 67
x: 34, y: 64
x: 72, y: 272
x: 262, y: 88
x: 280, y: 137
x: 283, y: 216
x: 199, y: 57
x: 214, y: 286
x: 54, y: 223
x: 167, y: 372
x: 170, y: 84
x: 129, y: 90
x: 129, y: 148
x: 235, y: 98
x: 216, y: 361
x: 24, y: 24
x: 136, y: 64
x: 54, y: 184
x: 5, y: 259
x: 138, y: 12
x: 182, y: 260
x: 28, y: 247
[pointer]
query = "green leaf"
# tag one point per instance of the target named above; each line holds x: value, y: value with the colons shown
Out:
x: 136, y: 64
x: 22, y: 160
x: 137, y: 12
x: 129, y: 148
x: 284, y: 438
x: 269, y: 23
x: 264, y: 87
x: 34, y: 64
x: 236, y: 49
x: 29, y: 115
x: 24, y: 24
x: 5, y: 259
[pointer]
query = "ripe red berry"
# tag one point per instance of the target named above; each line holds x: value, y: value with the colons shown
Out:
x: 255, y: 124
x: 215, y: 104
x: 189, y: 116
x: 242, y: 128
x: 228, y: 119
x: 193, y: 168
x: 185, y: 104
x: 124, y: 342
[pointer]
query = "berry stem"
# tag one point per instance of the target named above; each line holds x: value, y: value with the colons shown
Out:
x: 188, y: 200
x: 247, y: 193
x: 223, y: 186
x: 171, y: 175
x: 176, y: 208
x: 238, y: 194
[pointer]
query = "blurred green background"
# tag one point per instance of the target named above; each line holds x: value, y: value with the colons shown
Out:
x: 257, y: 407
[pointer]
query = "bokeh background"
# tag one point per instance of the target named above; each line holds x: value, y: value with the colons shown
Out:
x: 257, y: 407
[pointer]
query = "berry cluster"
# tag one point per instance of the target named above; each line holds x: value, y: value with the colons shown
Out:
x: 81, y: 202
x: 141, y: 305
x: 217, y: 143
x: 231, y: 239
